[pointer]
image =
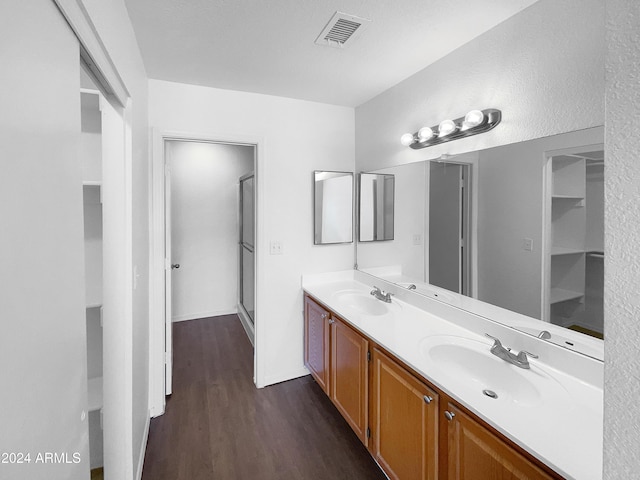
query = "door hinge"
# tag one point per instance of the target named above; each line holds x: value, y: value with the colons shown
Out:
x: 368, y: 432
x: 368, y: 356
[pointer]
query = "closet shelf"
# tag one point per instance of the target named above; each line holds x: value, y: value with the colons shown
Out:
x: 565, y: 251
x: 92, y: 183
x: 560, y: 295
x: 567, y: 197
x: 95, y: 394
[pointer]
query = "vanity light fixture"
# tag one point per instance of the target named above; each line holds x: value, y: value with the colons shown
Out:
x: 474, y: 122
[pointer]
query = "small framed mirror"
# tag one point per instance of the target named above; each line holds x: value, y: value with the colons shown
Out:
x: 333, y: 207
x: 376, y: 215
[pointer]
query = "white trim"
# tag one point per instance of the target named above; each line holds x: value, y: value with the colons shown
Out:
x: 156, y: 252
x: 285, y: 376
x: 199, y: 315
x: 143, y: 446
x: 93, y: 51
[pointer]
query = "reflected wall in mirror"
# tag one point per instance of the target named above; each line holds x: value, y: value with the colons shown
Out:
x: 333, y: 207
x: 518, y: 226
x: 376, y: 207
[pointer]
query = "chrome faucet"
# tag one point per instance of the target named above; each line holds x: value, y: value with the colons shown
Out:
x: 381, y: 294
x: 519, y: 360
x: 411, y: 287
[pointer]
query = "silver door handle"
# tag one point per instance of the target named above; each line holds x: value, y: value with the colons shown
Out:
x: 175, y: 265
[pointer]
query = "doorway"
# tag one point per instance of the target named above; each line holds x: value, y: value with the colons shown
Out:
x: 204, y: 280
x: 450, y: 226
x: 574, y: 273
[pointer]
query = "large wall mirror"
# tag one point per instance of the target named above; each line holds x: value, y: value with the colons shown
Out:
x: 333, y: 207
x: 513, y: 233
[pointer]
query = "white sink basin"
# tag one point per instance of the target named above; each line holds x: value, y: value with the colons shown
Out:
x: 363, y: 303
x: 471, y: 365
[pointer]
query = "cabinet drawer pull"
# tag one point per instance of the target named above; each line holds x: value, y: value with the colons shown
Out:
x: 427, y: 399
x: 449, y: 415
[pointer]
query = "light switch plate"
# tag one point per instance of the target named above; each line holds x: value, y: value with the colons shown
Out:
x: 417, y: 239
x: 527, y: 244
x: 275, y: 247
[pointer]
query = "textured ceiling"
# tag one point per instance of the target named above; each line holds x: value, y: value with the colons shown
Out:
x: 268, y: 46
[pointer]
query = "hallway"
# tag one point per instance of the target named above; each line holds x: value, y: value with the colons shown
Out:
x: 217, y: 425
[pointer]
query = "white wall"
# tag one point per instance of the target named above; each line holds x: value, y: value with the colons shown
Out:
x: 542, y: 67
x: 112, y: 24
x: 622, y: 237
x: 204, y: 226
x: 298, y: 138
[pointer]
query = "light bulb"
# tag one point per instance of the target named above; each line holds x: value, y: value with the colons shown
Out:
x: 473, y: 118
x: 406, y: 139
x: 446, y: 127
x: 425, y: 133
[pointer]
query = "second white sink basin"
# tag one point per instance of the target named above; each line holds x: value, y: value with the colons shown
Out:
x: 470, y: 364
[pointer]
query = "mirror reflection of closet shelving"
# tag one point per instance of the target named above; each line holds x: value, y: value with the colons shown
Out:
x: 91, y: 160
x: 577, y: 224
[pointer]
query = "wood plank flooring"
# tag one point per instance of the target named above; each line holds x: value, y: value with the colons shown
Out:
x: 217, y: 425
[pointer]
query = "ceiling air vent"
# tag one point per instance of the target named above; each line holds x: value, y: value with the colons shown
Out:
x: 341, y: 29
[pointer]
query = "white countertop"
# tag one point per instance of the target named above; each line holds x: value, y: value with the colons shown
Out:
x: 562, y: 428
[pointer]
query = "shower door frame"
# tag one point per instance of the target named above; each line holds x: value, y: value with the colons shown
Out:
x: 247, y: 321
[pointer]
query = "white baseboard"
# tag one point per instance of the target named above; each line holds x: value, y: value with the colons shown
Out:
x: 283, y: 377
x: 143, y: 446
x: 195, y: 316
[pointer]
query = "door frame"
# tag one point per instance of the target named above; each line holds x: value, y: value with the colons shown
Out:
x: 158, y: 324
x: 118, y: 421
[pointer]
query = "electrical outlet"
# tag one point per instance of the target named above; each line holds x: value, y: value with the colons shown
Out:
x: 275, y: 247
x: 527, y: 244
x: 417, y: 239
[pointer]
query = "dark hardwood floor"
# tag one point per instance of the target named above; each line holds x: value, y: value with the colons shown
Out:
x: 217, y: 425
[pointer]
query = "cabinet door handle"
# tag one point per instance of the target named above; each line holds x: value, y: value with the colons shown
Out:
x: 427, y: 399
x: 324, y: 316
x: 449, y: 415
x: 332, y: 321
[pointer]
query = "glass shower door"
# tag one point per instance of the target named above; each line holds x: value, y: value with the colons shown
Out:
x: 246, y: 245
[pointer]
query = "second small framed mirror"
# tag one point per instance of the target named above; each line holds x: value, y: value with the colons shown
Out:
x: 376, y: 209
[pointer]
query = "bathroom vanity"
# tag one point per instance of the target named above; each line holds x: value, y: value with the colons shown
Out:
x: 417, y: 383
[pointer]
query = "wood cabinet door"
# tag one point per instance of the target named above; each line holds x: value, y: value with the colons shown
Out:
x: 348, y: 379
x: 476, y: 453
x: 404, y: 422
x: 316, y: 342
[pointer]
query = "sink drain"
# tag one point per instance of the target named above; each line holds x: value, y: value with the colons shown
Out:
x: 490, y: 393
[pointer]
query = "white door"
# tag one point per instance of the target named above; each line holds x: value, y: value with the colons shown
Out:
x: 168, y: 336
x: 42, y: 311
